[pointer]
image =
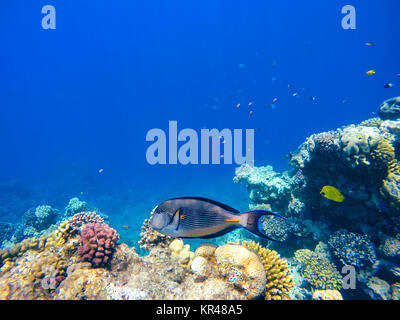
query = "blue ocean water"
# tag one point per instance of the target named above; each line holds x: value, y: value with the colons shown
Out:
x: 82, y: 97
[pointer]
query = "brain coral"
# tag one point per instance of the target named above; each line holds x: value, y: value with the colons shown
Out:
x: 320, y: 273
x: 242, y: 267
x: 97, y: 243
x: 279, y: 280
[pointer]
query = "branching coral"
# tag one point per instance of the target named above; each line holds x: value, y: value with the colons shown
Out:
x: 320, y: 273
x: 279, y: 281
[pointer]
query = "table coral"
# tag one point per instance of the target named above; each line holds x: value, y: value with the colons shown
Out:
x: 97, y: 243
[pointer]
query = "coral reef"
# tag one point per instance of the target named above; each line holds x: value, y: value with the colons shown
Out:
x: 80, y: 218
x: 181, y: 252
x: 318, y: 272
x: 97, y: 243
x: 241, y: 267
x: 34, y: 223
x: 150, y: 238
x: 390, y: 248
x: 63, y: 264
x: 6, y: 231
x: 279, y: 281
x: 361, y: 161
x: 327, y: 295
x: 265, y: 186
x: 75, y: 206
x: 352, y: 249
x: 390, y: 109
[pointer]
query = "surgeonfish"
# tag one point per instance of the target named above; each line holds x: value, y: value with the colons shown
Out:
x: 195, y: 217
x: 332, y: 193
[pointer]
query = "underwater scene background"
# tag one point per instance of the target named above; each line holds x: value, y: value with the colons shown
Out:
x: 77, y: 101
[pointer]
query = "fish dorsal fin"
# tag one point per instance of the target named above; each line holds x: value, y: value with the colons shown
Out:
x: 224, y: 206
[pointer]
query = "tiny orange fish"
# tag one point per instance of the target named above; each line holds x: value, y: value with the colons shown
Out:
x: 125, y: 226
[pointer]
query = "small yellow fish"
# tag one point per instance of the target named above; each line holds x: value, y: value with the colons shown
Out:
x: 370, y: 73
x: 332, y: 193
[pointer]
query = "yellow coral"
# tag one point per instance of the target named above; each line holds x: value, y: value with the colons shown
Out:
x: 320, y: 273
x: 372, y: 122
x: 205, y: 250
x: 383, y: 158
x: 391, y: 189
x: 279, y: 280
x: 181, y: 252
x: 37, y: 265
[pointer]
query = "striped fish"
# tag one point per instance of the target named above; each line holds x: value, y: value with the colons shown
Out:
x: 195, y: 217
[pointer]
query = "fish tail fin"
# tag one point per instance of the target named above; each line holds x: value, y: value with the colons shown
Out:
x: 254, y: 222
